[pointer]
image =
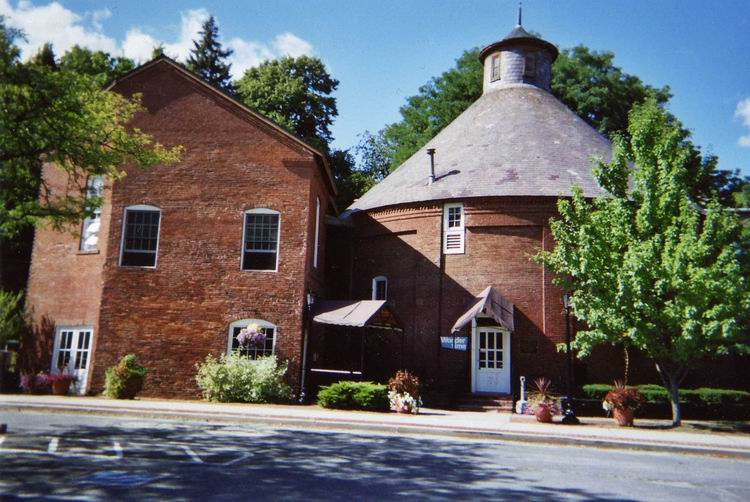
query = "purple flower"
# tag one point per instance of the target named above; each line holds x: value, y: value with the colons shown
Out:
x: 252, y: 336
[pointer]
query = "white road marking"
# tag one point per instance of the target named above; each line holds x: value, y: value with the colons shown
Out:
x: 192, y: 455
x: 52, y: 448
x: 118, y: 450
x: 241, y: 457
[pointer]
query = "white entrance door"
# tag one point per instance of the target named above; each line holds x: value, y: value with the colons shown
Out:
x: 73, y: 353
x: 491, y: 360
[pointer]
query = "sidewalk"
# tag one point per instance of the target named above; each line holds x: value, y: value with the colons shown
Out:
x: 596, y: 432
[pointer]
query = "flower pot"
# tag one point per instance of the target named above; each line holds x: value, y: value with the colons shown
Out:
x: 132, y: 387
x: 624, y: 417
x: 543, y: 414
x: 61, y: 388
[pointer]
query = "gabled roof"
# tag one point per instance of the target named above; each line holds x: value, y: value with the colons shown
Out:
x: 517, y: 140
x: 234, y: 102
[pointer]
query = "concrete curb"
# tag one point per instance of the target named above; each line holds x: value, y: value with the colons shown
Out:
x: 333, y: 424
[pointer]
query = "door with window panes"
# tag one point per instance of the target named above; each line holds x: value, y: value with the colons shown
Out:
x: 491, y: 351
x: 72, y: 355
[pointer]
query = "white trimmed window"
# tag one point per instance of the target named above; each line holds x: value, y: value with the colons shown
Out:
x: 140, y: 236
x: 380, y: 288
x: 495, y: 72
x: 453, y: 229
x: 253, y: 352
x: 260, y: 240
x: 316, y: 249
x: 529, y: 65
x: 91, y: 224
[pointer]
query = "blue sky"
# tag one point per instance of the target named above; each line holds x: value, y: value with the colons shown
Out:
x: 382, y: 51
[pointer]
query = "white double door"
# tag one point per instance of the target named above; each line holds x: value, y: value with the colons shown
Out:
x: 72, y: 355
x: 491, y: 360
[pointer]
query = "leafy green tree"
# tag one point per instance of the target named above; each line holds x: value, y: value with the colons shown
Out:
x: 294, y: 92
x: 208, y: 59
x: 45, y: 56
x: 157, y: 51
x: 97, y: 64
x: 350, y: 181
x: 12, y: 316
x: 646, y: 265
x: 67, y: 119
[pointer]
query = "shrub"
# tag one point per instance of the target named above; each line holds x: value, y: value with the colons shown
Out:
x: 235, y: 378
x: 348, y: 395
x: 36, y: 384
x: 12, y: 316
x: 657, y: 394
x: 403, y: 392
x: 125, y: 379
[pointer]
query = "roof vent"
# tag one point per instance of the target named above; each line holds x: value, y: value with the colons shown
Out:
x: 431, y: 153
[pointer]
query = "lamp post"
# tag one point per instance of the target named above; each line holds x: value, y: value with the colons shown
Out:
x: 310, y: 299
x: 570, y: 416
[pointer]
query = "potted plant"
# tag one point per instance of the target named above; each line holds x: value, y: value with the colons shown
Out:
x: 622, y: 401
x: 60, y: 383
x: 403, y: 393
x: 542, y: 403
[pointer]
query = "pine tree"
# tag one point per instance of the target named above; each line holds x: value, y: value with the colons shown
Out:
x: 207, y: 57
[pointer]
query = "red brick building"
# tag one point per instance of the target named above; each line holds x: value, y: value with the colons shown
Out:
x: 181, y: 257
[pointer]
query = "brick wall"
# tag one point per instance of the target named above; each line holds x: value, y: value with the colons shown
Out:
x: 174, y: 315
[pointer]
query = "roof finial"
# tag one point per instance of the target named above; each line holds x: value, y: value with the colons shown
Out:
x: 520, y: 6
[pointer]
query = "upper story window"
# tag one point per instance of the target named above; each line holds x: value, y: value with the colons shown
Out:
x: 495, y: 70
x: 140, y: 236
x: 380, y: 288
x: 453, y: 228
x: 261, y: 342
x: 529, y: 65
x: 316, y: 249
x: 260, y: 241
x: 91, y: 224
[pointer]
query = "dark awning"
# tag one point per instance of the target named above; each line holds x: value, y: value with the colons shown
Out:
x: 489, y: 303
x: 355, y: 314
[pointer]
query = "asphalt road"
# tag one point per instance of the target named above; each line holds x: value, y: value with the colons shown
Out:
x: 74, y: 456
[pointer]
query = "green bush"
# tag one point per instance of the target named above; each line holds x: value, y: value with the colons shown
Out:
x: 238, y: 379
x: 348, y: 395
x: 125, y: 379
x: 657, y: 394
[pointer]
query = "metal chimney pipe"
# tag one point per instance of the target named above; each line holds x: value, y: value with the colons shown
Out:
x: 431, y: 153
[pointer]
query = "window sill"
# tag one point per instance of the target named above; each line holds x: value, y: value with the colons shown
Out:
x: 261, y: 271
x: 93, y: 251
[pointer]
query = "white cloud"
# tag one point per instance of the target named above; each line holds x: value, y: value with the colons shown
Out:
x: 54, y: 23
x: 743, y: 113
x: 64, y: 28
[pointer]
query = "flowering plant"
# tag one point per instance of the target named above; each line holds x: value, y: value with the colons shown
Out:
x: 251, y: 336
x: 403, y: 392
x: 623, y: 398
x: 404, y: 402
x: 542, y: 397
x: 60, y: 377
x: 35, y: 383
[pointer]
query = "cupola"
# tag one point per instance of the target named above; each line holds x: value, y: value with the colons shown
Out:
x: 519, y: 58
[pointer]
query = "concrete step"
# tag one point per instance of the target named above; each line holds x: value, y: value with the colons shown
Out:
x: 488, y: 403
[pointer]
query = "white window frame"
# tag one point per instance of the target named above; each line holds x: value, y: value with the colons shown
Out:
x: 459, y: 231
x: 92, y: 183
x: 260, y: 210
x: 495, y: 75
x: 317, y: 232
x: 243, y: 323
x: 375, y: 281
x: 139, y: 207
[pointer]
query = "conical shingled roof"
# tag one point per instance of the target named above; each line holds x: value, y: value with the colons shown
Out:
x: 518, y: 140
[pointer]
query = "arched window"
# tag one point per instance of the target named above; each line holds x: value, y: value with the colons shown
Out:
x: 380, y: 288
x: 266, y: 348
x: 260, y: 240
x: 140, y: 236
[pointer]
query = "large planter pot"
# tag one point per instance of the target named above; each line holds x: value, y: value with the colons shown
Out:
x: 543, y: 414
x: 61, y: 388
x: 624, y: 417
x: 132, y: 387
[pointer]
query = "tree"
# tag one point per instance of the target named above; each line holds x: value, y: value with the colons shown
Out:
x: 646, y: 265
x: 45, y: 56
x: 65, y: 118
x: 207, y: 58
x: 294, y: 92
x: 97, y: 64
